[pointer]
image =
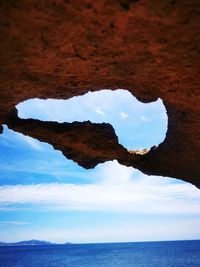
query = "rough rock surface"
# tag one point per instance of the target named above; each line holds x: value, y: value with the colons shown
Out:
x: 62, y: 48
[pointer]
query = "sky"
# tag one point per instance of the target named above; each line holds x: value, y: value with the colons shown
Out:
x: 45, y: 196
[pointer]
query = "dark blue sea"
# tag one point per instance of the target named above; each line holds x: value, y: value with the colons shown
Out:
x: 143, y: 254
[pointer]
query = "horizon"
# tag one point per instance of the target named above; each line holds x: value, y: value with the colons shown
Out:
x: 44, y: 195
x: 117, y: 242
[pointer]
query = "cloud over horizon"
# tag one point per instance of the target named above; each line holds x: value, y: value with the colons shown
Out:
x: 120, y: 189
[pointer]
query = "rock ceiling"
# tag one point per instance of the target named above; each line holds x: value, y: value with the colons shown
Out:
x: 60, y: 49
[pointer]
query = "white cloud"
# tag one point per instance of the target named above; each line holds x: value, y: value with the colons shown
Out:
x: 14, y: 223
x: 14, y: 139
x: 99, y: 111
x: 33, y: 143
x: 144, y: 118
x: 116, y: 191
x: 123, y: 115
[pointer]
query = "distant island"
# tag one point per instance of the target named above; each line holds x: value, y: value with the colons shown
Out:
x: 30, y: 243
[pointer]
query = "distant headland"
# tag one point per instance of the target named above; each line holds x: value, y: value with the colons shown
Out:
x: 32, y: 242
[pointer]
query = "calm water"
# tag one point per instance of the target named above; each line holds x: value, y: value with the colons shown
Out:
x: 154, y: 254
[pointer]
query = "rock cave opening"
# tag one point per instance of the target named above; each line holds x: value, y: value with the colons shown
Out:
x: 138, y: 126
x: 106, y: 125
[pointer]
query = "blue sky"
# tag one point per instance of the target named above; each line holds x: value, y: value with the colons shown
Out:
x: 45, y: 196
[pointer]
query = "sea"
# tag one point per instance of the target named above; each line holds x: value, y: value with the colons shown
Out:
x: 140, y: 254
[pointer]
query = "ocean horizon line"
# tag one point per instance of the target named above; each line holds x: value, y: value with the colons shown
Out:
x: 49, y: 243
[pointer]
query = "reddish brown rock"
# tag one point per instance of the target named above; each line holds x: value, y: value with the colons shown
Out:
x: 73, y: 139
x: 62, y: 48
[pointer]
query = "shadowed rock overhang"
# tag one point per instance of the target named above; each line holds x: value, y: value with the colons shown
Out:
x: 60, y: 49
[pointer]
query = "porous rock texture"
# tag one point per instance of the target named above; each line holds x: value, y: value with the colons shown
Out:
x: 61, y: 48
